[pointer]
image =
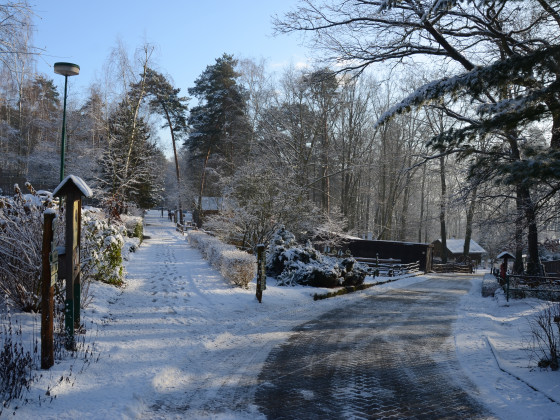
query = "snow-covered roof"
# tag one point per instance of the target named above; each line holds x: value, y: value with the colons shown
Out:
x: 505, y: 254
x: 78, y: 182
x: 455, y: 246
x: 212, y: 203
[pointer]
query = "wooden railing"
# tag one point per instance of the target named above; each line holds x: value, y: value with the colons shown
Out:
x: 452, y: 268
x: 388, y: 267
x: 185, y: 227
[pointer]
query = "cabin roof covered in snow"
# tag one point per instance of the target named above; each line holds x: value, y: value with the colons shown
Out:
x: 455, y: 246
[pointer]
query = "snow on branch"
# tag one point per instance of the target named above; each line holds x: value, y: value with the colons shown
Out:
x: 531, y: 71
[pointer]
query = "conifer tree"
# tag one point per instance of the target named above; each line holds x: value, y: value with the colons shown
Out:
x: 128, y: 171
x: 164, y: 98
x: 219, y: 129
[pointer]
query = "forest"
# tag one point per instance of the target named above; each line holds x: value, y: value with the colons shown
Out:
x: 420, y: 120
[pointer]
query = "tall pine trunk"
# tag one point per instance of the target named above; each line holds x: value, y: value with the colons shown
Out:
x: 201, y: 193
x: 178, y: 173
x: 519, y: 221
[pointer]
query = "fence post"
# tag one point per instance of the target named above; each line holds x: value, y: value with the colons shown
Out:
x: 261, y: 271
x: 49, y: 275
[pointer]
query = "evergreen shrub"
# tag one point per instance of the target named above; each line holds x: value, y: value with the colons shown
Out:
x: 292, y: 264
x: 102, y: 242
x: 236, y: 266
x: 134, y: 226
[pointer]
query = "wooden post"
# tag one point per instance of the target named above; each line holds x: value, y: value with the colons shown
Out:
x: 72, y: 256
x: 73, y: 188
x: 261, y: 271
x: 49, y: 274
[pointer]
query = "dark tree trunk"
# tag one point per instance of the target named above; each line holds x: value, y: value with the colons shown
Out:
x: 468, y: 230
x: 519, y: 221
x: 178, y: 173
x: 442, y: 210
x: 420, y: 225
x: 199, y: 216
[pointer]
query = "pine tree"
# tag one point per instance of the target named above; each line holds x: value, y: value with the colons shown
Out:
x: 219, y: 129
x: 128, y: 173
x: 164, y: 98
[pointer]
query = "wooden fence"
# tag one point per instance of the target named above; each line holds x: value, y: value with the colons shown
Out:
x: 388, y: 267
x: 452, y: 268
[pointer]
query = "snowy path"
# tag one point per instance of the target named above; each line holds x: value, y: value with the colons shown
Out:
x: 180, y: 342
x: 390, y: 356
x: 157, y: 357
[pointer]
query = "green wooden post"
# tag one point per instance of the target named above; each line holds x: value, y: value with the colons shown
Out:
x: 261, y: 271
x: 76, y: 230
x: 73, y: 188
x: 72, y: 264
x: 49, y: 274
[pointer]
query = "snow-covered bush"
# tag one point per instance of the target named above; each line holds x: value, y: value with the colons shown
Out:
x: 134, y: 226
x: 281, y: 241
x: 209, y: 246
x: 294, y: 264
x: 102, y: 242
x: 236, y: 266
x: 21, y: 243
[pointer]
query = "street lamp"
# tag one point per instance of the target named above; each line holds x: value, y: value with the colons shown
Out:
x: 66, y: 69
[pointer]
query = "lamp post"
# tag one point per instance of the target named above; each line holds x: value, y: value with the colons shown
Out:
x: 66, y: 69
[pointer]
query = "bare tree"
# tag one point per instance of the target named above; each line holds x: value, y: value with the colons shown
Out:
x: 515, y: 49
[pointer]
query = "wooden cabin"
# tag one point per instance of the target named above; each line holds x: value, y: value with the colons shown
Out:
x: 454, y: 250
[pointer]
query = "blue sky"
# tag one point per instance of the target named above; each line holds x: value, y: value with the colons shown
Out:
x: 189, y: 34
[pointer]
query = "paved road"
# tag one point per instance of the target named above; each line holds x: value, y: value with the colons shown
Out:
x: 389, y: 356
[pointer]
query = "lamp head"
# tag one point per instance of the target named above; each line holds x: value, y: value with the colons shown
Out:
x: 66, y: 69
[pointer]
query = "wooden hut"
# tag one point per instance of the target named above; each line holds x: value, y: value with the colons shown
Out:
x: 210, y: 205
x: 455, y: 250
x: 404, y: 252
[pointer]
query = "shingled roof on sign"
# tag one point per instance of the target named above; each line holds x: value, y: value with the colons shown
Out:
x: 72, y: 181
x: 505, y: 254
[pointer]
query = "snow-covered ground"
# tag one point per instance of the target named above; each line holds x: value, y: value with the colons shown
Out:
x: 492, y: 337
x: 179, y: 342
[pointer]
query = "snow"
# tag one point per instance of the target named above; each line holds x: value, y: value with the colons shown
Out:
x: 78, y: 182
x: 506, y: 254
x: 491, y: 338
x: 180, y: 342
x: 455, y: 246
